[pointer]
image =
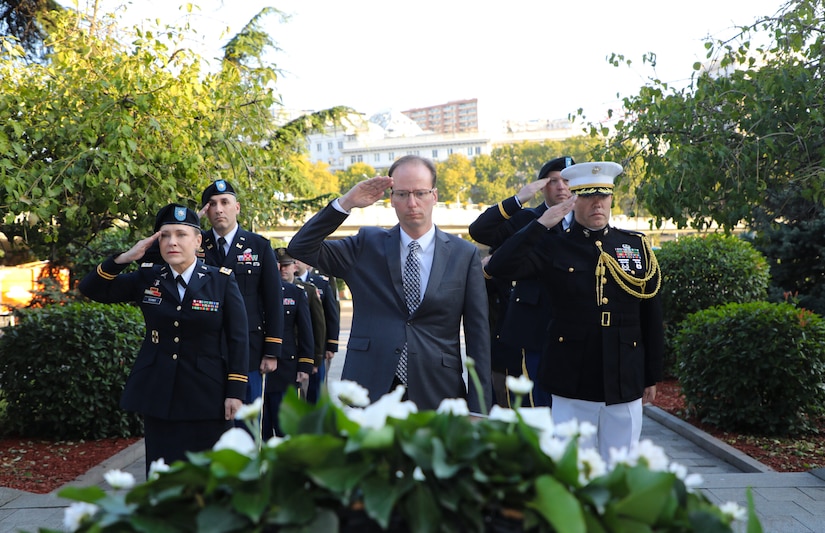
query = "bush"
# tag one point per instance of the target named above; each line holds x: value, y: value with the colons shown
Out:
x: 63, y: 370
x: 755, y: 367
x: 703, y: 271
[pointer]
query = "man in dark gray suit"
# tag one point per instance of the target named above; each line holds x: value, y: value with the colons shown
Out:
x: 397, y: 338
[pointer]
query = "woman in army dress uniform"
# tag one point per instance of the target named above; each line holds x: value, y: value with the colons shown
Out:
x: 190, y: 374
x: 604, y: 343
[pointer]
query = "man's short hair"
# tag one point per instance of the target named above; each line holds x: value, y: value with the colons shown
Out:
x: 414, y: 159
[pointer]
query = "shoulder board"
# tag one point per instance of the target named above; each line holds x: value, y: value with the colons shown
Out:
x: 630, y: 232
x: 225, y: 270
x: 146, y: 265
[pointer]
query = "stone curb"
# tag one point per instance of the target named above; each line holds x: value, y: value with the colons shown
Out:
x: 120, y: 460
x: 707, y: 442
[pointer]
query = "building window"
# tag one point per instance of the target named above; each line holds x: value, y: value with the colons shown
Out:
x: 329, y: 146
x: 340, y: 145
x: 478, y: 150
x: 360, y: 158
x: 318, y: 147
x: 449, y: 151
x: 352, y: 160
x: 392, y: 156
x: 470, y: 150
x: 435, y: 154
x: 376, y: 157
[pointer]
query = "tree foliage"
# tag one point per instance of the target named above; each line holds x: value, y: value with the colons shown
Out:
x: 456, y: 178
x: 743, y: 141
x: 26, y: 21
x: 352, y: 175
x: 510, y: 167
x: 104, y: 132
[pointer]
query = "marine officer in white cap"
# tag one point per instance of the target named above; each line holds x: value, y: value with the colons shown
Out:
x: 605, y: 338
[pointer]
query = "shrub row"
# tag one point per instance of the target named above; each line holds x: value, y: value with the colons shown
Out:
x: 63, y: 369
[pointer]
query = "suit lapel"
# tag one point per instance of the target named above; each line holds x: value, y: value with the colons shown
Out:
x: 167, y: 276
x: 441, y: 258
x: 210, y: 248
x: 199, y: 277
x: 392, y: 248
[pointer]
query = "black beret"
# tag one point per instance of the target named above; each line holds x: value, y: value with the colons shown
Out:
x: 216, y: 187
x: 559, y: 163
x: 283, y: 256
x: 176, y: 214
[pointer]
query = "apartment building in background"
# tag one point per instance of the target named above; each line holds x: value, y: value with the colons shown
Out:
x: 460, y: 116
x: 382, y: 138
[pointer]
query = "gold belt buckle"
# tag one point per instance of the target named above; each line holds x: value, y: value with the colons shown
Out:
x: 605, y: 318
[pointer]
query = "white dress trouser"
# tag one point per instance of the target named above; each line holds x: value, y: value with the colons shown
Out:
x: 617, y: 426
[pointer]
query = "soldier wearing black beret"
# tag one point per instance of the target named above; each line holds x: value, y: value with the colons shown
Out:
x: 528, y: 309
x: 189, y: 378
x: 250, y: 256
x: 604, y: 342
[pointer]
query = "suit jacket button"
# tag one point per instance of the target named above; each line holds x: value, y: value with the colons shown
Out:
x: 561, y: 339
x: 177, y: 339
x: 174, y: 356
x: 398, y: 350
x: 571, y: 269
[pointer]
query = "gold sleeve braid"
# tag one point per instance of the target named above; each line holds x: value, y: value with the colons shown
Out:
x: 609, y: 263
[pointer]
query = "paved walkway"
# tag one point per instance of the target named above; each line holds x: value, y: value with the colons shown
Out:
x: 785, y: 502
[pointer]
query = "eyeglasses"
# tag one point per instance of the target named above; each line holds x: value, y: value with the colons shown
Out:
x: 419, y: 195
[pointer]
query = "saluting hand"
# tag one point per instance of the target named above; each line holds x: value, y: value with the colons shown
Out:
x: 555, y: 214
x: 137, y: 251
x: 528, y: 191
x: 365, y: 193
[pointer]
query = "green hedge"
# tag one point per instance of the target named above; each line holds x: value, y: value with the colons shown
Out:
x: 63, y: 369
x: 703, y: 271
x: 755, y: 367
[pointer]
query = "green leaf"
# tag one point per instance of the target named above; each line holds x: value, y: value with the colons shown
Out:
x: 558, y: 506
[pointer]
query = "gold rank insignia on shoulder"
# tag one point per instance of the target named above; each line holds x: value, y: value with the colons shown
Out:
x: 226, y: 271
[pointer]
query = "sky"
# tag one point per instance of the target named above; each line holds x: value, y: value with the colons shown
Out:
x: 522, y: 59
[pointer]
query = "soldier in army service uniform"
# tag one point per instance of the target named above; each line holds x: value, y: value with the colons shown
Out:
x: 604, y: 342
x: 189, y: 378
x: 528, y: 309
x: 251, y: 258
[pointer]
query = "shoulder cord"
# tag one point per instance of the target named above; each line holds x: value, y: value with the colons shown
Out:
x: 623, y: 279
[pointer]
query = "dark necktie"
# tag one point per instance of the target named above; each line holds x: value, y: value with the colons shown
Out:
x: 221, y: 252
x: 411, y: 279
x: 182, y: 282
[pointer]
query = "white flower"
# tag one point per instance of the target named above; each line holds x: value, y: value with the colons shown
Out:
x: 236, y: 439
x: 274, y: 441
x: 344, y: 392
x: 552, y: 446
x: 621, y: 456
x: 591, y: 465
x: 250, y: 411
x: 537, y: 417
x: 118, y: 479
x: 454, y: 406
x: 355, y: 414
x: 652, y: 454
x: 519, y: 385
x: 568, y: 429
x: 74, y: 514
x: 418, y: 474
x: 693, y: 481
x: 387, y: 406
x: 156, y: 467
x: 503, y: 414
x: 587, y: 430
x: 733, y: 510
